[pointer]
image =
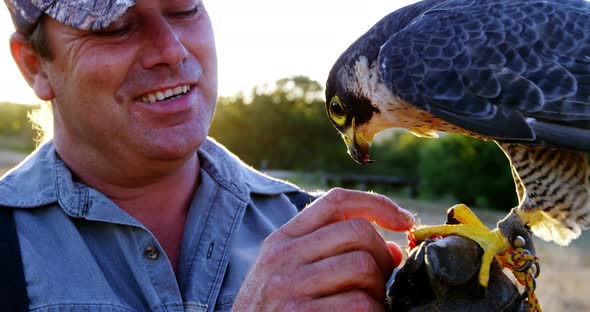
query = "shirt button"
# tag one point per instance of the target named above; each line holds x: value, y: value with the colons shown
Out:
x: 151, y: 253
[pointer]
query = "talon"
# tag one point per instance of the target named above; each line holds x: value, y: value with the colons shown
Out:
x: 461, y: 214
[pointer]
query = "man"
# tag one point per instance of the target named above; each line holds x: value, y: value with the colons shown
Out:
x: 130, y: 207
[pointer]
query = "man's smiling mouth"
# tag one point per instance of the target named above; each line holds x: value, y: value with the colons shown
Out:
x: 165, y: 94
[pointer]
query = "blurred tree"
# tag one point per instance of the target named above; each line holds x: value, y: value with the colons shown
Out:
x: 15, y: 129
x: 284, y: 128
x: 397, y: 154
x: 472, y: 171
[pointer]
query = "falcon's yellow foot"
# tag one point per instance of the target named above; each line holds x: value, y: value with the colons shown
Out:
x: 491, y: 241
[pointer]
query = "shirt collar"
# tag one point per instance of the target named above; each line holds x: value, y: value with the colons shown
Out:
x: 33, y: 182
x: 43, y: 178
x: 236, y: 176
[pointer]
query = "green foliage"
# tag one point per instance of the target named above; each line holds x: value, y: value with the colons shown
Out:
x: 397, y: 154
x: 472, y: 171
x: 15, y: 129
x: 285, y: 128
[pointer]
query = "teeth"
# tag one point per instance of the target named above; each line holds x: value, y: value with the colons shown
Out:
x: 163, y: 94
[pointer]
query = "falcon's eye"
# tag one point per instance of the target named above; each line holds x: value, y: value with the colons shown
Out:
x: 337, y: 113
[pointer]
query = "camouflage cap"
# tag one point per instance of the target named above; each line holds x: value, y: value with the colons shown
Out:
x: 80, y: 14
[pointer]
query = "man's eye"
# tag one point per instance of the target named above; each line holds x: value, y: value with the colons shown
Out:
x: 112, y: 31
x: 187, y: 14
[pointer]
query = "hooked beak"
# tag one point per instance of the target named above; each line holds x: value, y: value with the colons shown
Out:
x: 358, y: 146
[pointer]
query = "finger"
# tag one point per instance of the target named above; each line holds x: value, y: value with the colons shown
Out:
x: 343, y: 237
x: 396, y: 252
x: 355, y: 300
x: 342, y: 273
x: 339, y: 205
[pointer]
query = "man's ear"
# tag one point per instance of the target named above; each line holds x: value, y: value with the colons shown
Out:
x: 29, y: 64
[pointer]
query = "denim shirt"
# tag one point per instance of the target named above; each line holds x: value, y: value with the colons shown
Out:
x: 83, y: 253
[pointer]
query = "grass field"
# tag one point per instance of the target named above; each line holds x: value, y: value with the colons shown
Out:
x: 564, y: 283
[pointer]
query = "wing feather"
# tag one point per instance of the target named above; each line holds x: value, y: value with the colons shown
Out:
x: 492, y: 67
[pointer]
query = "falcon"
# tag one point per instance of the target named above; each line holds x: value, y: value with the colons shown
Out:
x: 516, y: 72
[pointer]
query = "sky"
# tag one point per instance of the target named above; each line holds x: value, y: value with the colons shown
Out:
x: 258, y: 41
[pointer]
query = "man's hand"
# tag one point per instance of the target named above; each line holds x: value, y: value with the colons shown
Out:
x: 327, y: 258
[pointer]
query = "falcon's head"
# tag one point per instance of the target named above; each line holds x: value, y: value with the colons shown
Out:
x: 360, y: 105
x: 350, y: 107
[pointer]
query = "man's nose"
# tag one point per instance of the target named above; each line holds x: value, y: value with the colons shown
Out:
x: 162, y: 44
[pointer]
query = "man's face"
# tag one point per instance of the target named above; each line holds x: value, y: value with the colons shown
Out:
x: 146, y: 86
